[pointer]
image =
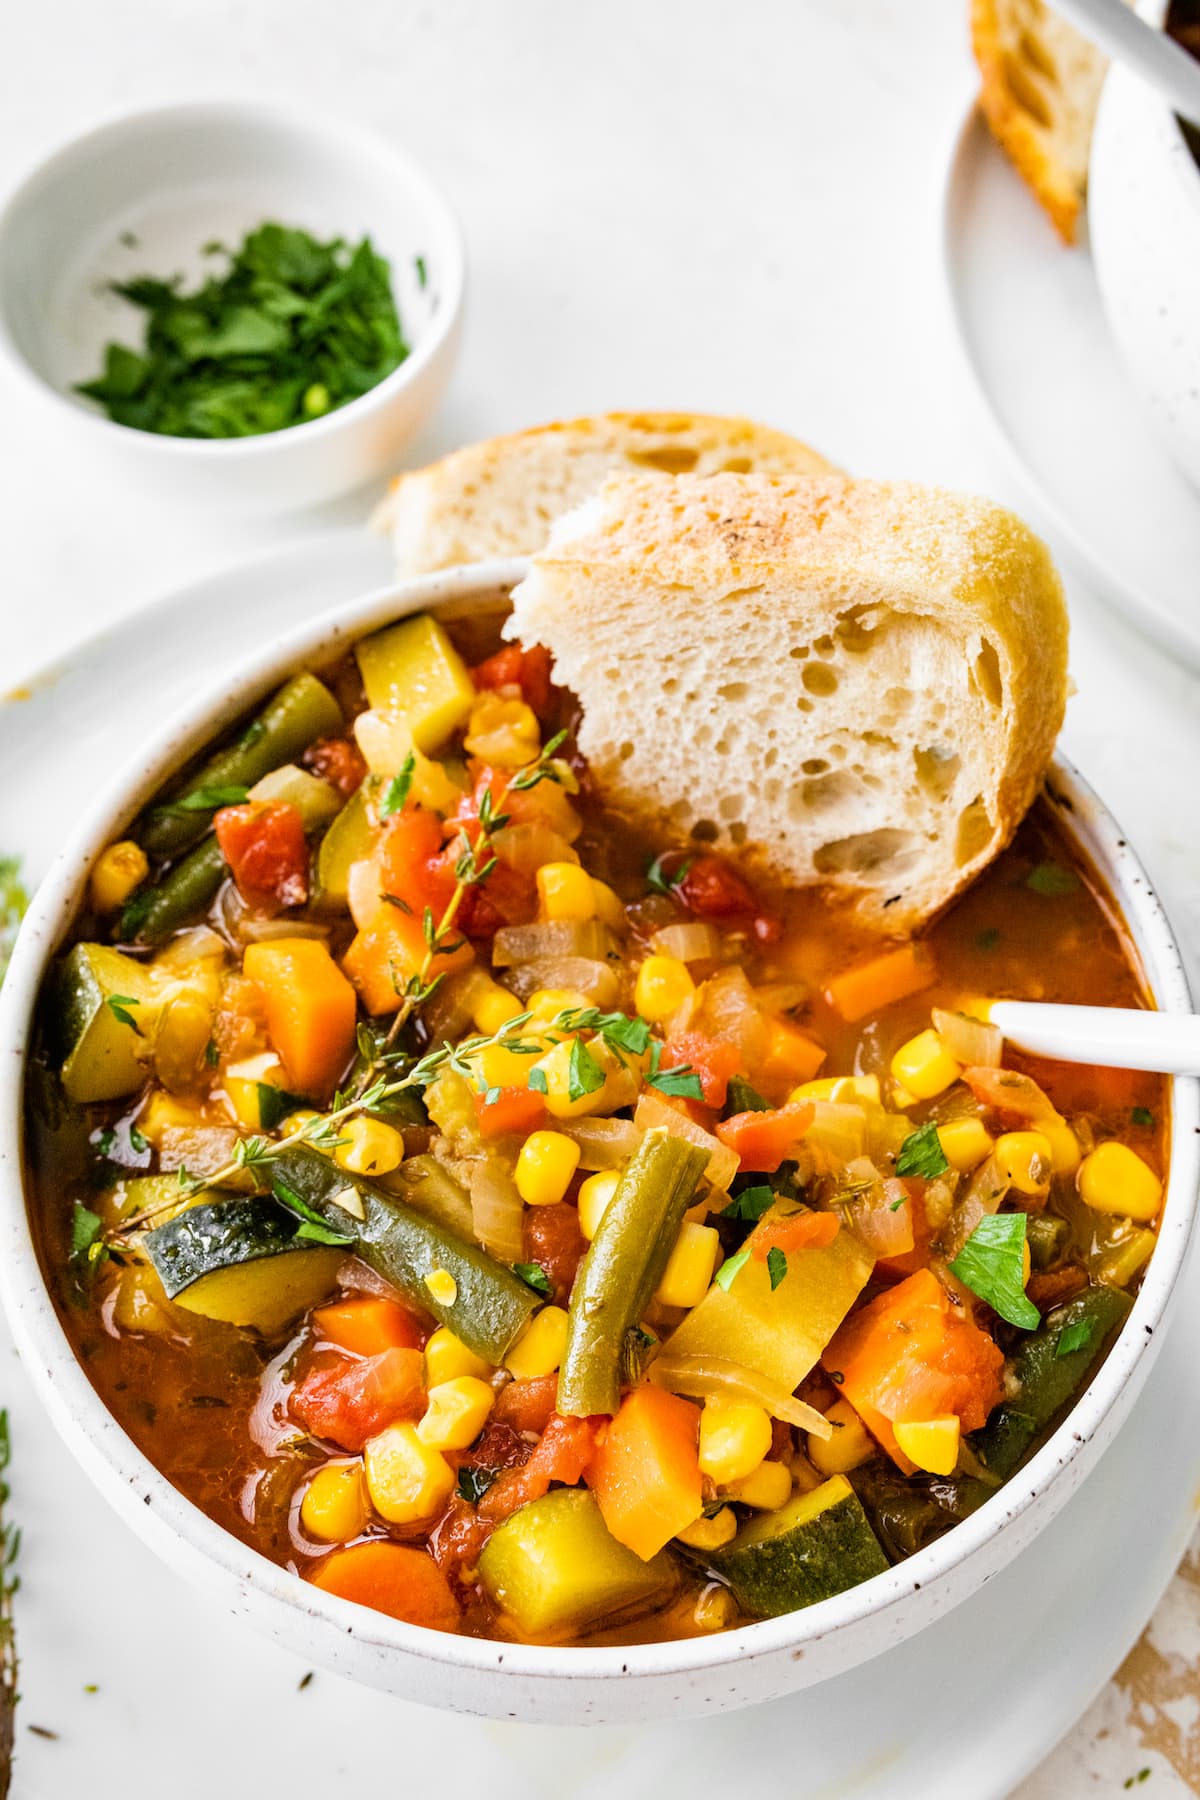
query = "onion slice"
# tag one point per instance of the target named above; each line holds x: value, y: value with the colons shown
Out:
x: 497, y: 1212
x: 695, y: 941
x: 603, y: 1143
x: 514, y: 944
x: 700, y: 1377
x: 969, y: 1040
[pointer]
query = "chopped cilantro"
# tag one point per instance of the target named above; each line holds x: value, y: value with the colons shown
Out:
x: 584, y: 1074
x: 992, y: 1264
x: 657, y: 879
x: 776, y: 1265
x: 206, y: 799
x: 274, y: 1104
x: 921, y: 1153
x: 750, y: 1204
x: 396, y: 792
x: 1141, y: 1115
x: 422, y: 271
x: 313, y: 1228
x: 473, y: 1484
x: 139, y: 1143
x: 682, y: 1082
x: 118, y: 1005
x: 731, y: 1268
x: 1076, y: 1335
x: 534, y: 1276
x: 85, y: 1231
x: 537, y: 1081
x: 1051, y: 879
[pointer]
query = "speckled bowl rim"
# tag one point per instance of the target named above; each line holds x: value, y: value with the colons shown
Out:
x: 181, y: 1531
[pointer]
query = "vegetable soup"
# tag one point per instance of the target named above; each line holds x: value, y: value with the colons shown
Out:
x: 534, y: 1232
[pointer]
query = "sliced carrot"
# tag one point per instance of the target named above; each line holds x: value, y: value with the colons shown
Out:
x: 800, y: 1231
x: 309, y: 1007
x: 387, y: 953
x: 904, y: 970
x: 911, y: 1355
x: 790, y: 1057
x: 508, y: 1109
x: 370, y: 1325
x: 646, y: 1475
x: 564, y: 1453
x: 763, y: 1140
x: 406, y: 1584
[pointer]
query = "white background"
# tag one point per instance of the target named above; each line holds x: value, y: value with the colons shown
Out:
x: 726, y: 208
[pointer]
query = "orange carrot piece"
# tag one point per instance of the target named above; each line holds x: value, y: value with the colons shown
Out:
x: 509, y: 1109
x: 406, y: 1584
x: 309, y: 1007
x: 646, y: 1475
x: 904, y: 970
x: 791, y: 1057
x: 384, y: 956
x: 763, y: 1140
x: 370, y: 1325
x: 802, y: 1231
x: 911, y: 1355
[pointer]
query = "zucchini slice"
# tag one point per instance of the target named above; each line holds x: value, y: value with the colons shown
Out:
x: 554, y: 1566
x: 240, y: 1261
x: 818, y: 1545
x: 104, y: 1007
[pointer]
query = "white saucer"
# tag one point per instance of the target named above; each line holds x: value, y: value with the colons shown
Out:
x: 967, y: 1708
x: 1030, y: 322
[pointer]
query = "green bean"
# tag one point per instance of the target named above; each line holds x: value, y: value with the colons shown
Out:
x: 180, y: 898
x: 491, y: 1305
x: 622, y: 1268
x: 302, y: 710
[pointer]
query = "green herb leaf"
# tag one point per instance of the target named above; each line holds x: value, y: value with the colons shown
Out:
x: 1141, y: 1115
x: 206, y: 799
x: 85, y: 1230
x: 921, y: 1153
x: 657, y: 879
x: 681, y: 1081
x: 537, y: 1081
x: 730, y: 1269
x: 617, y: 1029
x: 1077, y: 1334
x: 473, y: 1484
x: 1051, y: 879
x: 992, y: 1264
x: 988, y: 938
x: 776, y: 1265
x: 534, y: 1276
x: 212, y: 1056
x: 13, y: 901
x: 396, y: 792
x: 139, y: 1143
x: 275, y: 1104
x: 118, y: 1005
x: 313, y: 1227
x: 584, y: 1074
x: 750, y: 1204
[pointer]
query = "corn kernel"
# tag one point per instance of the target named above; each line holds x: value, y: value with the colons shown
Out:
x: 594, y: 1196
x: 456, y: 1413
x: 297, y: 1121
x: 565, y: 893
x: 442, y: 1286
x: 930, y: 1443
x: 545, y: 1004
x: 607, y: 906
x: 844, y: 1089
x: 965, y: 1143
x: 163, y: 1113
x: 618, y: 1088
x: 334, y: 1507
x: 447, y: 1357
x: 850, y: 1445
x: 690, y: 1266
x: 768, y: 1487
x: 502, y: 732
x: 500, y: 1067
x: 715, y: 1608
x: 664, y: 984
x: 545, y: 1166
x: 735, y: 1435
x: 1023, y: 1159
x: 710, y: 1533
x: 407, y: 1480
x: 118, y: 871
x: 1064, y: 1145
x: 924, y: 1067
x: 494, y: 1008
x: 539, y: 1349
x: 1114, y: 1179
x: 368, y: 1147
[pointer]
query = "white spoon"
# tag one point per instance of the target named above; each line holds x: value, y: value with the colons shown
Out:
x: 1157, y: 58
x: 1113, y: 1036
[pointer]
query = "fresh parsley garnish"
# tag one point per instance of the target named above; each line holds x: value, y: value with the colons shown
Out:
x: 1077, y: 1334
x: 275, y: 1104
x: 206, y: 799
x: 658, y: 880
x: 682, y: 1082
x: 992, y: 1264
x: 139, y: 1143
x: 313, y: 1228
x: 118, y: 1006
x: 584, y: 1074
x: 86, y: 1227
x: 534, y: 1276
x: 732, y: 1267
x: 13, y: 901
x: 921, y: 1153
x: 750, y: 1204
x: 473, y: 1484
x: 421, y: 269
x: 1051, y: 879
x: 619, y: 1030
x: 537, y: 1082
x: 1141, y: 1115
x: 396, y: 792
x: 776, y: 1265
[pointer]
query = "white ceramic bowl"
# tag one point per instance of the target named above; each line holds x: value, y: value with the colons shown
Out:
x: 1144, y: 226
x: 565, y: 1685
x: 144, y: 194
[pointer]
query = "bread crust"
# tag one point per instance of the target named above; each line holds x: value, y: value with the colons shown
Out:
x: 775, y: 659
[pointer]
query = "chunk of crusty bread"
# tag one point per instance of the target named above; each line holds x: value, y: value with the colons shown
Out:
x: 1041, y: 87
x: 858, y: 683
x: 500, y: 497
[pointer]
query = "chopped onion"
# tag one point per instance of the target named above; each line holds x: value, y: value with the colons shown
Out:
x: 882, y: 1218
x: 515, y: 944
x: 694, y: 942
x: 497, y: 1211
x: 603, y: 1143
x: 653, y: 1114
x: 449, y: 1013
x: 363, y: 891
x: 968, y: 1040
x: 839, y: 1130
x: 526, y: 847
x: 728, y: 1009
x: 262, y: 931
x: 701, y: 1376
x: 1006, y: 1091
x: 599, y: 981
x: 200, y: 944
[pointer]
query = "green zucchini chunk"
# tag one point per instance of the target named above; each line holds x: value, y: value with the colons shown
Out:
x: 239, y: 1260
x: 554, y: 1566
x: 103, y: 1009
x: 1048, y: 1376
x: 818, y: 1545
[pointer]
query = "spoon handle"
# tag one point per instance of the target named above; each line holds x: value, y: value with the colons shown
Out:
x: 1115, y: 1037
x: 1157, y: 58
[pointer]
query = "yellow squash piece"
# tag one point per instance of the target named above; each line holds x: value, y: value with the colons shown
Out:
x: 412, y: 669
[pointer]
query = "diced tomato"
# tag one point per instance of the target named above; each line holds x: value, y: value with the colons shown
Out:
x: 412, y: 867
x: 516, y: 666
x: 266, y: 851
x: 457, y: 1541
x: 763, y: 1140
x: 553, y: 1240
x: 338, y: 760
x: 394, y: 1579
x: 713, y: 890
x: 349, y: 1402
x: 713, y: 1059
x: 802, y: 1231
x: 563, y: 1454
x: 527, y: 1405
x: 501, y: 1446
x: 370, y: 1324
x: 508, y: 1109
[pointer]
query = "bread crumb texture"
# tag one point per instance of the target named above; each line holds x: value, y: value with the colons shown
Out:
x: 857, y: 684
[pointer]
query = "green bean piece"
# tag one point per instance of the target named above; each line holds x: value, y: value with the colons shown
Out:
x: 301, y: 711
x: 179, y: 899
x: 491, y: 1305
x: 622, y: 1268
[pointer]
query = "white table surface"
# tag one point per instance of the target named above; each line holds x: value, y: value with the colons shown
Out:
x: 671, y: 204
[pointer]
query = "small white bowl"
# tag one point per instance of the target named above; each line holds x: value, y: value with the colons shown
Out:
x: 144, y: 195
x: 569, y: 1684
x: 1144, y: 227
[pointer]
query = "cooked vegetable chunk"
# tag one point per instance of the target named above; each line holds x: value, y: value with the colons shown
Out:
x: 104, y: 1008
x: 554, y: 1566
x: 816, y: 1546
x: 239, y: 1260
x: 413, y: 669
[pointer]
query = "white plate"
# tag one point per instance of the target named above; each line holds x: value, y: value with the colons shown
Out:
x: 969, y: 1707
x: 1029, y: 318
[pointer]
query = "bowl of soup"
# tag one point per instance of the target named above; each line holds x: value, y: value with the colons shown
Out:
x: 542, y: 1271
